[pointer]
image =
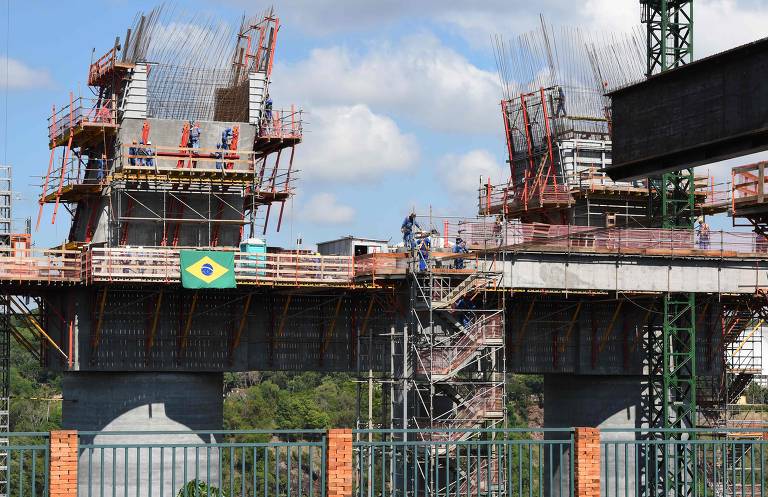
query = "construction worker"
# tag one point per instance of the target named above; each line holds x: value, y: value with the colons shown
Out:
x: 150, y: 154
x: 226, y: 138
x: 219, y: 155
x: 407, y: 229
x: 498, y: 230
x: 194, y: 135
x: 268, y: 113
x: 703, y: 234
x: 133, y: 151
x: 467, y: 316
x: 560, y: 102
x: 100, y: 167
x: 459, y: 248
x: 141, y: 152
x: 424, y: 245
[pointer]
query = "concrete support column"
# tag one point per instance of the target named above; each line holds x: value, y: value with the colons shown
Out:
x: 587, y: 462
x: 339, y: 463
x: 62, y: 469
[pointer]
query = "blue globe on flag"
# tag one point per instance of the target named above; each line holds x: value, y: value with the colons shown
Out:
x: 206, y: 269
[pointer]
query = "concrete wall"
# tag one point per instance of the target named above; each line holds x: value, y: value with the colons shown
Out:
x: 701, y: 113
x: 632, y: 273
x: 600, y: 402
x: 280, y: 333
x: 598, y: 335
x: 127, y: 402
x: 197, y: 203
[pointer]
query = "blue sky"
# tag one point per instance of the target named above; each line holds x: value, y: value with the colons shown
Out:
x: 401, y: 96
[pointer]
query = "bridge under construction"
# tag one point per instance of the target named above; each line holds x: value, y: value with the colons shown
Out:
x: 637, y: 320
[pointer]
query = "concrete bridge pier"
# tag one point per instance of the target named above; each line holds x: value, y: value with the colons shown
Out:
x: 597, y: 401
x: 98, y: 402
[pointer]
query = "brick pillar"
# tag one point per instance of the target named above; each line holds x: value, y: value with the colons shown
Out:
x: 587, y: 462
x: 339, y: 463
x: 62, y: 471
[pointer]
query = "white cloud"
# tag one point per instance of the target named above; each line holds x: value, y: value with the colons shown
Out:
x: 460, y: 174
x: 418, y: 77
x: 352, y: 144
x: 324, y: 208
x: 718, y: 24
x: 21, y: 76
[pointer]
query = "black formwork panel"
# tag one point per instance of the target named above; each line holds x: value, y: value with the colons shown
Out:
x: 709, y: 110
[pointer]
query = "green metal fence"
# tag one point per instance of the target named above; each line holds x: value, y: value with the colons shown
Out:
x: 24, y: 462
x: 454, y: 463
x: 706, y: 463
x: 196, y: 464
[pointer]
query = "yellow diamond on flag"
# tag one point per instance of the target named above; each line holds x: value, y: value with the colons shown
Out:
x: 206, y: 269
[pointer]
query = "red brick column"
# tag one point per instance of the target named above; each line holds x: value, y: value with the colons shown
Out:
x: 62, y: 471
x: 339, y: 463
x: 587, y: 462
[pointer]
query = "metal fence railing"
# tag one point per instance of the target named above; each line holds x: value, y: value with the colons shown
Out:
x: 25, y: 461
x: 197, y: 464
x: 515, y: 462
x: 704, y: 463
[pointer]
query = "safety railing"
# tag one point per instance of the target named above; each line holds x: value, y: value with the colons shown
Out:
x: 483, y: 403
x: 522, y: 463
x: 281, y: 123
x: 744, y: 354
x: 748, y: 185
x: 716, y: 196
x: 74, y: 172
x: 632, y: 239
x: 593, y: 179
x: 700, y: 463
x: 203, y: 464
x: 101, y: 67
x: 480, y: 332
x: 528, y: 194
x: 25, y: 462
x: 147, y: 265
x: 40, y: 266
x: 79, y: 112
x: 380, y: 265
x: 137, y: 156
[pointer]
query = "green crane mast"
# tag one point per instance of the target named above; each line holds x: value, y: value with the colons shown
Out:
x: 672, y: 350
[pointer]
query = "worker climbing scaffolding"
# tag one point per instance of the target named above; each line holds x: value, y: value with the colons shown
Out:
x: 409, y: 224
x: 424, y: 245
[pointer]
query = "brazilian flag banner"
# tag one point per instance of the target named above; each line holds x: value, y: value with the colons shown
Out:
x: 207, y: 269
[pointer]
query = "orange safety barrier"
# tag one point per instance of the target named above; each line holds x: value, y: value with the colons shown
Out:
x: 282, y: 124
x: 159, y: 265
x: 80, y: 112
x: 40, y: 266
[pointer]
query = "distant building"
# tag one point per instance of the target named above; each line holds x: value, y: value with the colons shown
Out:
x: 350, y: 245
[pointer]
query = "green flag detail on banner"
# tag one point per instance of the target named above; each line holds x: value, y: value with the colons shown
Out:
x: 207, y: 269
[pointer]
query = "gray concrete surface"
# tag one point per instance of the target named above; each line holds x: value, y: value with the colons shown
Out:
x: 99, y: 403
x: 632, y: 273
x: 605, y: 402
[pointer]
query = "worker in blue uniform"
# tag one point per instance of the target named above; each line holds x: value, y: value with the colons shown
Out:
x: 424, y: 245
x: 466, y: 306
x: 560, y: 102
x: 460, y: 247
x: 194, y: 135
x: 409, y: 224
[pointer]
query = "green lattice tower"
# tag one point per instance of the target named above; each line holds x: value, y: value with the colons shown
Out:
x: 672, y: 363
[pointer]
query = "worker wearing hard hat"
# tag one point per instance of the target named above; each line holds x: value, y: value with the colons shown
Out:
x: 407, y: 229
